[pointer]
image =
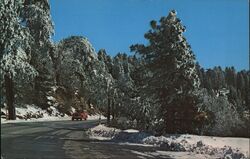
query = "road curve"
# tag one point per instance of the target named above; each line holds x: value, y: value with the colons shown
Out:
x: 62, y: 140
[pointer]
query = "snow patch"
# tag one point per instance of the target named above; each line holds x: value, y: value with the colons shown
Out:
x: 32, y: 113
x: 215, y: 147
x: 51, y: 98
x: 96, y: 117
x: 131, y: 131
x: 103, y: 132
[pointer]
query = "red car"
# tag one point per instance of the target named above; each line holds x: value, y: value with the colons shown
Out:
x: 79, y: 116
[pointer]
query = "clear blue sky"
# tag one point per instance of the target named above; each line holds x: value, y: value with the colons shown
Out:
x: 218, y: 30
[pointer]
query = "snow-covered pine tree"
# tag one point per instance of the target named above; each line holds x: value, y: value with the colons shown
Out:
x: 78, y: 68
x: 142, y: 105
x: 172, y: 63
x: 106, y: 63
x: 124, y: 83
x: 15, y: 50
x: 36, y: 17
x: 72, y: 57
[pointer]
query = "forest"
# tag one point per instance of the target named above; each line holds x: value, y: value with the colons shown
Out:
x: 160, y: 87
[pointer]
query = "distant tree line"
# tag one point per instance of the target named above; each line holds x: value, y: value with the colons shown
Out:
x: 161, y: 88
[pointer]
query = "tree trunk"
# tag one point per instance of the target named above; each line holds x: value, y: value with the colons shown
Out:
x: 108, y: 112
x: 10, y: 97
x: 55, y: 62
x: 57, y: 78
x: 113, y: 110
x: 170, y: 121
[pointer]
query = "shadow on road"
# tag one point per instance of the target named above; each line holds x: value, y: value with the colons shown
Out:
x: 86, y: 140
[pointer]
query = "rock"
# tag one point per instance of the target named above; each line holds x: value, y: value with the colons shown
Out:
x: 228, y: 150
x: 174, y: 146
x: 199, y: 144
x: 237, y: 155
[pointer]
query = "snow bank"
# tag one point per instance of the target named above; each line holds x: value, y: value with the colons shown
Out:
x: 96, y: 117
x: 4, y: 121
x: 218, y: 147
x: 221, y: 147
x: 103, y: 132
x: 238, y: 143
x: 32, y: 113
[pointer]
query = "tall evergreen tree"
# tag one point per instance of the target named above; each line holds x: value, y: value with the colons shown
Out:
x: 36, y: 16
x: 15, y: 49
x: 173, y: 75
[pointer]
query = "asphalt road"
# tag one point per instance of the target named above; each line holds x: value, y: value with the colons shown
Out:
x: 63, y: 140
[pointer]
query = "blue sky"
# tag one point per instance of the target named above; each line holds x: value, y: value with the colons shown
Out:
x: 216, y: 29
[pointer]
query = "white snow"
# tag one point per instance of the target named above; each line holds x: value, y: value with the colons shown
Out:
x: 51, y: 98
x: 135, y: 144
x: 102, y: 132
x: 96, y: 117
x: 32, y: 109
x: 237, y: 143
x: 208, y: 146
x: 4, y: 121
x: 131, y: 131
x: 73, y: 109
x: 54, y: 88
x: 95, y: 71
x: 207, y: 143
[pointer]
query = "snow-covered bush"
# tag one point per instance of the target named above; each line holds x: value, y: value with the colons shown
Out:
x: 224, y: 120
x: 152, y: 140
x: 103, y: 131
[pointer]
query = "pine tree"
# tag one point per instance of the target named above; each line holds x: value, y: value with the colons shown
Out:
x: 15, y: 49
x: 78, y: 67
x: 173, y: 75
x: 73, y: 57
x: 36, y: 17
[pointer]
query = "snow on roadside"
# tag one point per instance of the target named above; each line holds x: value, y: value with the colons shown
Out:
x: 222, y: 147
x: 32, y: 113
x: 102, y: 132
x: 96, y: 117
x: 237, y: 143
x: 46, y: 118
x: 4, y: 121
